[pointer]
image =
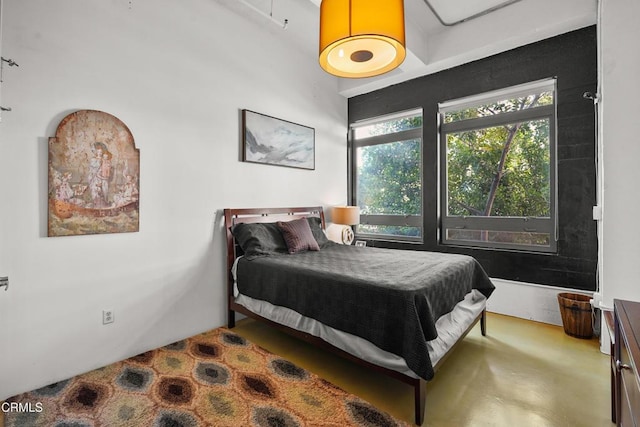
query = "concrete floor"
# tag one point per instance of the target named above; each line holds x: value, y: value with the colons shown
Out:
x: 522, y: 373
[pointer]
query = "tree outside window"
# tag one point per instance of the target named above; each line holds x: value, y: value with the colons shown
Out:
x: 388, y: 176
x: 498, y: 169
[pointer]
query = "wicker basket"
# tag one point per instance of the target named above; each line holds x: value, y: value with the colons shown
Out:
x: 575, y: 310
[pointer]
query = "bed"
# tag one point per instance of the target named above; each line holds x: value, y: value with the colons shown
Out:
x: 395, y: 311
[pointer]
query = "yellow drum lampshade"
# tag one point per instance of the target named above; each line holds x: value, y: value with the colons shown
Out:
x: 361, y: 38
x: 345, y: 215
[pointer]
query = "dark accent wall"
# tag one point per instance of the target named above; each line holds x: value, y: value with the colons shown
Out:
x: 572, y: 58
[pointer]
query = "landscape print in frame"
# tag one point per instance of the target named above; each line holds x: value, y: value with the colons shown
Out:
x: 277, y: 142
x: 94, y: 176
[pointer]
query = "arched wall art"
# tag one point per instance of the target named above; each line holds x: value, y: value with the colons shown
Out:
x: 94, y: 176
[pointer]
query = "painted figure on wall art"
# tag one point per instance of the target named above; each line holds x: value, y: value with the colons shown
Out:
x: 94, y: 176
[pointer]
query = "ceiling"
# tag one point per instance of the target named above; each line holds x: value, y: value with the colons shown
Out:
x: 451, y: 13
x: 439, y: 33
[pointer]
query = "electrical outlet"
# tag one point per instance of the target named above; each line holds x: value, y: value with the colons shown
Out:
x: 107, y: 316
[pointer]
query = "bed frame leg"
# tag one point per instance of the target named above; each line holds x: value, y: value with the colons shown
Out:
x: 231, y: 319
x: 483, y: 323
x: 420, y: 392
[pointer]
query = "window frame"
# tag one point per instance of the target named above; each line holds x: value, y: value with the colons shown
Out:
x: 381, y: 219
x: 504, y: 223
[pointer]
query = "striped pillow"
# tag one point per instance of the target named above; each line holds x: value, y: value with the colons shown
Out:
x: 298, y: 236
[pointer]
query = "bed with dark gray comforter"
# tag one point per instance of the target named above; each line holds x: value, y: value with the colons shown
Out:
x: 391, y: 298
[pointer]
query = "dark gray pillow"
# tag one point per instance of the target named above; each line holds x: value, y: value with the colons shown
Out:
x: 315, y: 224
x: 265, y: 238
x: 259, y: 239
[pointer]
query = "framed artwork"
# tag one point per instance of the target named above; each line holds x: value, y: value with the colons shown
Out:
x: 94, y: 176
x: 277, y: 142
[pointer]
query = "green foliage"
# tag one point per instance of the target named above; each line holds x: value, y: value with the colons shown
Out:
x: 492, y: 171
x: 389, y: 126
x: 473, y: 158
x: 499, y: 107
x: 523, y: 177
x: 389, y: 178
x: 390, y: 230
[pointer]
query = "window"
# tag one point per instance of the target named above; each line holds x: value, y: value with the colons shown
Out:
x: 387, y: 165
x: 498, y: 171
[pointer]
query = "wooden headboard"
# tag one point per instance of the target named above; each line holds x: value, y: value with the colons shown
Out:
x: 252, y: 215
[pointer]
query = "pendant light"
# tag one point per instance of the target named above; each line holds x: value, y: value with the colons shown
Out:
x: 361, y: 38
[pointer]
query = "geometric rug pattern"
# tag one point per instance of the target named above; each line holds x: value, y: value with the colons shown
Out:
x: 213, y: 379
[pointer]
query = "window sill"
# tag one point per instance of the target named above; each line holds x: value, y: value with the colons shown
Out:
x: 494, y: 249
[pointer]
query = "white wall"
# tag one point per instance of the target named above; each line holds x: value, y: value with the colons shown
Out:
x: 620, y: 155
x: 177, y: 74
x: 528, y: 301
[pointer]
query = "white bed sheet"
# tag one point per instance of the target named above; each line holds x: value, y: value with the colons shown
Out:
x: 450, y: 328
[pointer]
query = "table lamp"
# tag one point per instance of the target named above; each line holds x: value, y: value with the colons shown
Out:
x: 346, y: 216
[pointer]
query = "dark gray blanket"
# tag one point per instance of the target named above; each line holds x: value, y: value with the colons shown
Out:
x: 390, y: 297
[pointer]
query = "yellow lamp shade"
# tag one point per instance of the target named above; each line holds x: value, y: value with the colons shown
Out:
x: 361, y: 38
x: 345, y: 215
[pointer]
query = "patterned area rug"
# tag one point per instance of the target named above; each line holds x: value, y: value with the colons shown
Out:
x: 212, y: 379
